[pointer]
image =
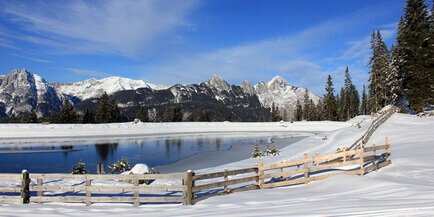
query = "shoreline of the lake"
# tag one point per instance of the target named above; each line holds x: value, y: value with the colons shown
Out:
x: 210, y: 159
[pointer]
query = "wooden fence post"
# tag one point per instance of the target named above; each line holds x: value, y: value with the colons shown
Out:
x: 25, y: 189
x: 225, y: 188
x: 88, y: 192
x: 39, y: 184
x: 189, y: 184
x: 260, y: 172
x: 136, y: 193
x: 345, y: 155
x: 306, y: 169
x: 362, y: 161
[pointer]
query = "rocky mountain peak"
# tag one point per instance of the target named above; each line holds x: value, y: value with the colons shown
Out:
x: 218, y: 83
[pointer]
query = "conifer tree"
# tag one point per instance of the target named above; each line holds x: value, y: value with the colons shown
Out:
x: 103, y: 109
x: 115, y: 114
x: 88, y: 117
x: 329, y: 101
x: 379, y: 68
x: 275, y: 116
x: 298, y: 111
x: 319, y: 111
x: 306, y: 106
x: 364, y: 106
x: 417, y: 49
x: 350, y: 98
x: 142, y: 114
x: 67, y: 113
x: 217, y: 114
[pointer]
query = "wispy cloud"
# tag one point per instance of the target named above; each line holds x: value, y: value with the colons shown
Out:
x: 290, y: 56
x: 31, y: 58
x: 88, y: 72
x: 124, y: 27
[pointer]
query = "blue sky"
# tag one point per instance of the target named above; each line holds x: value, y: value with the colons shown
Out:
x: 188, y: 41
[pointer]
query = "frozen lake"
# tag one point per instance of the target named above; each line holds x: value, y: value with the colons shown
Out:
x: 178, y: 151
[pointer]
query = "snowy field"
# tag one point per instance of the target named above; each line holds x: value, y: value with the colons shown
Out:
x: 405, y: 188
x: 13, y: 133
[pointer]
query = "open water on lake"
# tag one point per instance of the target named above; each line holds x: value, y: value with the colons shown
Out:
x: 154, y: 151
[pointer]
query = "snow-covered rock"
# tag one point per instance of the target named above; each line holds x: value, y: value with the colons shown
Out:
x: 93, y: 88
x: 282, y: 94
x: 140, y: 169
x: 22, y: 91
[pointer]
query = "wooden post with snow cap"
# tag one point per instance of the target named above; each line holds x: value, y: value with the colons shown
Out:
x: 306, y: 169
x: 25, y: 187
x: 189, y: 184
x: 225, y: 187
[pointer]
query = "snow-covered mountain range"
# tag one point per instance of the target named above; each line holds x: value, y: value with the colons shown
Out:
x: 22, y: 91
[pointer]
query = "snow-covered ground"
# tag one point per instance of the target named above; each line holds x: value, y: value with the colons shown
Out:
x: 11, y: 133
x: 405, y: 188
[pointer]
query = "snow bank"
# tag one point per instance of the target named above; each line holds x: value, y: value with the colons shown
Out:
x: 405, y: 188
x: 31, y: 132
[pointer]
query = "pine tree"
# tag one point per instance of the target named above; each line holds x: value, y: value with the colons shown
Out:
x: 88, y: 117
x: 217, y: 114
x: 414, y: 39
x: 261, y: 116
x: 379, y: 68
x: 115, y: 114
x: 319, y: 111
x: 349, y: 98
x: 178, y: 113
x: 200, y: 114
x: 103, y: 109
x: 256, y: 151
x: 298, y: 111
x: 142, y: 114
x: 306, y: 106
x: 364, y: 107
x: 275, y: 116
x: 330, y: 106
x: 67, y: 113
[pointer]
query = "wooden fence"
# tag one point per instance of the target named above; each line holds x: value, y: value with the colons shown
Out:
x: 377, y: 122
x: 189, y: 188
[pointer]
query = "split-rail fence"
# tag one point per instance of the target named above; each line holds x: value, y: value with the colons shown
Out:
x: 189, y: 188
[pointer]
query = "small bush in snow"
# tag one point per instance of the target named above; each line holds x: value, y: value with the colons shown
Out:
x: 274, y: 151
x: 79, y: 168
x: 121, y: 165
x: 256, y: 151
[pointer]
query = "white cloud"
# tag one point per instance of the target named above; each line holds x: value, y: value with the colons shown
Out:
x: 127, y: 27
x: 35, y: 59
x: 87, y: 72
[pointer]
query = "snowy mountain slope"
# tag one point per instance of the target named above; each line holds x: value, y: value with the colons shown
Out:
x: 93, y: 88
x: 22, y: 91
x: 282, y: 94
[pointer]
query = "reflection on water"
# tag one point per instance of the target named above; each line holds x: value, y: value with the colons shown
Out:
x: 104, y: 150
x: 152, y: 151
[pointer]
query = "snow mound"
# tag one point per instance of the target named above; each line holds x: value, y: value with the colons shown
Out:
x: 140, y: 169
